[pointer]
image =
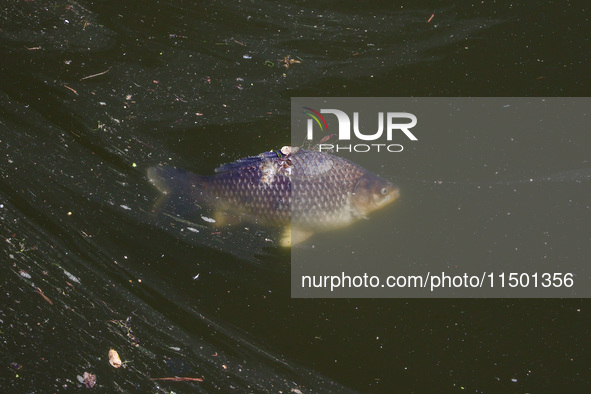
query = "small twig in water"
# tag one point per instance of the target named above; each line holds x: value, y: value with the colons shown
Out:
x: 73, y: 90
x: 180, y: 379
x: 40, y: 292
x: 96, y: 75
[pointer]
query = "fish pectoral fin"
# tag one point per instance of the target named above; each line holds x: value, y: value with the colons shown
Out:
x: 293, y: 236
x: 223, y: 218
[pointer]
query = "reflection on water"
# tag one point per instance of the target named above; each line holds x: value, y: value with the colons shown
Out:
x: 92, y: 94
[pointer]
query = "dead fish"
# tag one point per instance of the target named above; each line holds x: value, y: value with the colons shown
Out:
x: 299, y: 190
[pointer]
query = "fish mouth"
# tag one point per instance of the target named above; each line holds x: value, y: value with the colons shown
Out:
x: 395, y: 193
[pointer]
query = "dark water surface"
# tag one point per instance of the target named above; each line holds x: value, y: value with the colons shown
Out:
x: 94, y: 93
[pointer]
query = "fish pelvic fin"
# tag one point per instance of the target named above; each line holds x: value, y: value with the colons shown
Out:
x: 294, y: 236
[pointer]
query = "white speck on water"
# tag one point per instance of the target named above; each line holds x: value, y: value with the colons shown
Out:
x: 247, y: 56
x: 514, y: 380
x: 125, y: 207
x: 71, y: 277
x: 24, y: 274
x: 177, y: 349
x: 196, y: 277
x: 192, y: 229
x: 208, y: 220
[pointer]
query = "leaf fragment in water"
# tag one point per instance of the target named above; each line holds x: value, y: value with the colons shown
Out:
x: 114, y: 359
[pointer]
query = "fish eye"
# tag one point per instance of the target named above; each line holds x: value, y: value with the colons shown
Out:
x: 384, y: 191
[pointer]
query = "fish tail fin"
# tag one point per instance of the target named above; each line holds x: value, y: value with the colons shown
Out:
x: 178, y: 186
x: 171, y: 180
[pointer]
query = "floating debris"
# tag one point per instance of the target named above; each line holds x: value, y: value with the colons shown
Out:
x: 71, y: 89
x: 180, y: 379
x: 95, y: 75
x: 288, y: 150
x: 88, y: 379
x: 126, y: 325
x: 40, y: 292
x: 71, y: 277
x: 114, y: 359
x: 288, y: 61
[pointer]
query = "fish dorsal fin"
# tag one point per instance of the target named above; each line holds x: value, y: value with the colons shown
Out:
x: 304, y: 163
x: 246, y: 162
